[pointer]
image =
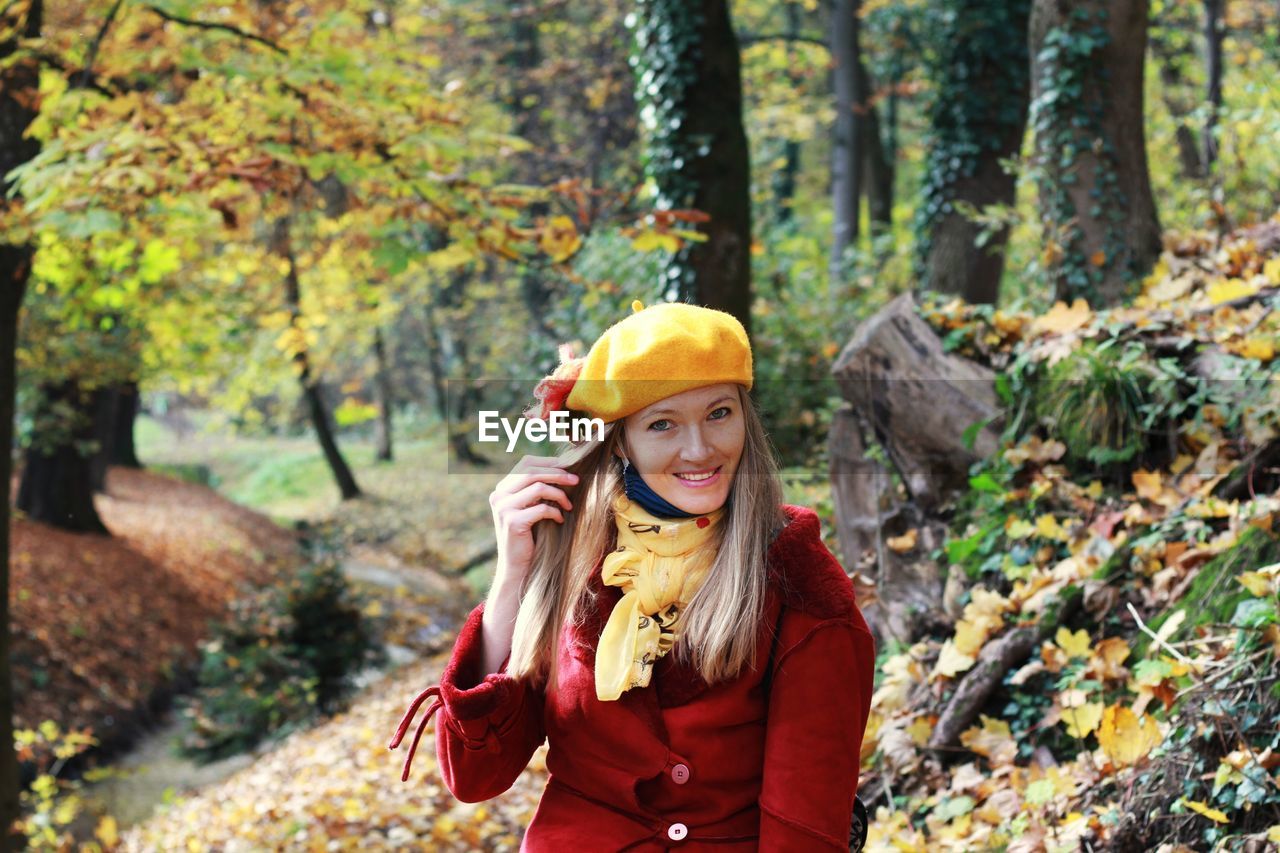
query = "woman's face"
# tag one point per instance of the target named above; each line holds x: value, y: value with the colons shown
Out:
x: 687, y: 446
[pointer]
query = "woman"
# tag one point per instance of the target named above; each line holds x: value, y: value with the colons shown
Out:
x: 684, y: 641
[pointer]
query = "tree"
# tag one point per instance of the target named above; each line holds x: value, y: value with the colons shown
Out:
x: 1101, y: 229
x: 1213, y: 73
x: 689, y: 85
x: 282, y: 244
x: 977, y: 118
x: 846, y: 153
x: 19, y: 85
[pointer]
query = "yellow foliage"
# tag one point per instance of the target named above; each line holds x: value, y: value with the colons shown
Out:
x: 1124, y: 737
x: 1048, y: 527
x: 951, y: 661
x: 904, y: 543
x: 1061, y: 318
x: 560, y: 239
x: 1226, y: 290
x: 1082, y: 720
x: 1213, y: 814
x: 993, y: 740
x: 1075, y: 644
x: 647, y: 241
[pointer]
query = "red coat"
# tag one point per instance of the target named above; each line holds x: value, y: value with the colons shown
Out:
x: 766, y: 761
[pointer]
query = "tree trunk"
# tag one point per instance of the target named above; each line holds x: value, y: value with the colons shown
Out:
x: 382, y: 395
x: 122, y: 450
x: 917, y: 403
x: 57, y: 478
x: 1213, y: 75
x: 784, y: 180
x: 342, y: 475
x: 435, y: 362
x: 878, y: 165
x: 978, y: 118
x: 908, y: 586
x: 464, y: 399
x: 1173, y: 87
x: 846, y: 159
x: 103, y: 405
x: 19, y: 84
x: 722, y: 178
x: 1102, y: 234
x: 698, y: 154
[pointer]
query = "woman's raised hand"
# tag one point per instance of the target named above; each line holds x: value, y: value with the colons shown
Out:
x: 533, y: 491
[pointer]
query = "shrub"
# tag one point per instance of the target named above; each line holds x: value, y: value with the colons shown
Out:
x: 1104, y: 403
x: 285, y: 654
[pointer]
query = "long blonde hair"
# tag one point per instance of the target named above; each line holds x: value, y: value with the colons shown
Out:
x: 719, y: 630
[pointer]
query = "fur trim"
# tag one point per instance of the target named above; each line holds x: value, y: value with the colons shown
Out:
x: 481, y: 700
x: 808, y: 575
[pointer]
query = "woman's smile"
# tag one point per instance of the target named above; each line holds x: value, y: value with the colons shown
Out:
x: 699, y: 479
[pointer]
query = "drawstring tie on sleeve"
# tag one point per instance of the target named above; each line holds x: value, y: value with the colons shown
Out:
x: 433, y: 690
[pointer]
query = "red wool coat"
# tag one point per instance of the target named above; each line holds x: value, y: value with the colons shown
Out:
x: 767, y: 761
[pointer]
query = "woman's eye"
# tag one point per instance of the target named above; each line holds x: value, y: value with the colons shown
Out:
x: 723, y: 409
x: 655, y: 426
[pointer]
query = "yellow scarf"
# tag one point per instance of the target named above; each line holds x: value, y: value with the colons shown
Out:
x: 660, y: 563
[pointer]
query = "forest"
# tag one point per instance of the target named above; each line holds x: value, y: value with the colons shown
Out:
x: 1010, y: 272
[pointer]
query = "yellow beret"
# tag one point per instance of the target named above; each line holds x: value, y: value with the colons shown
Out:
x: 656, y: 352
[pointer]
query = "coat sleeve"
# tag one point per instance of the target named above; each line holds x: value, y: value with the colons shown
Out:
x: 488, y: 725
x: 819, y: 699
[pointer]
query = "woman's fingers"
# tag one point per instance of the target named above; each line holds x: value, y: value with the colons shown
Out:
x: 524, y: 519
x: 514, y: 483
x: 535, y: 492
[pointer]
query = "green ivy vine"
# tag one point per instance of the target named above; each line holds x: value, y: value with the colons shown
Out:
x: 1066, y: 116
x: 977, y: 35
x: 666, y: 40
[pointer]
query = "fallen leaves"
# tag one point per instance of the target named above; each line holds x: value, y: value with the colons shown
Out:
x: 1125, y: 737
x: 175, y: 560
x: 1062, y: 318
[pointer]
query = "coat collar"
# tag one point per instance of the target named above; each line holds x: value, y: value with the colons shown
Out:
x: 802, y: 574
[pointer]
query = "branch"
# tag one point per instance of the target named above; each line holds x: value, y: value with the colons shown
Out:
x: 996, y: 659
x: 55, y: 61
x: 86, y: 76
x: 210, y: 25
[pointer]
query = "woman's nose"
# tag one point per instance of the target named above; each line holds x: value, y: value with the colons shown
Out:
x: 697, y: 448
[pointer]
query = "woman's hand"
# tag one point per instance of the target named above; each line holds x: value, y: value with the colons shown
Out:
x: 533, y: 491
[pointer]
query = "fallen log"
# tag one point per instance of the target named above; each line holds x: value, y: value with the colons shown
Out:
x: 994, y: 661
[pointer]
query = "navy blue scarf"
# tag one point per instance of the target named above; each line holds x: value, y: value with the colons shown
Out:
x: 638, y: 490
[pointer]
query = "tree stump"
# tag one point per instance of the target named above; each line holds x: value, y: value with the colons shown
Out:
x: 868, y: 516
x: 917, y: 402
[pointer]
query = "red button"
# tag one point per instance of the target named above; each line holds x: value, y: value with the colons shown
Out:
x: 677, y: 831
x: 680, y: 773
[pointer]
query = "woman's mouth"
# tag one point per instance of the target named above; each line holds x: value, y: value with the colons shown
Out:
x: 699, y: 479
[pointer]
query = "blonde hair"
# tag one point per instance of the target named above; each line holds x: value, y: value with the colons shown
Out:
x: 720, y: 626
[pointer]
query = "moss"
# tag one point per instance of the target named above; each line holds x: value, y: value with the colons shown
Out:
x: 1213, y: 596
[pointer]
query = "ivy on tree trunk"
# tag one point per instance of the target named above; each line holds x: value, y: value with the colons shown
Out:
x: 978, y: 117
x: 1102, y: 234
x: 689, y: 86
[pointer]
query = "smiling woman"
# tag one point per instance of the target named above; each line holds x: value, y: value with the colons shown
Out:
x: 686, y: 448
x: 684, y: 641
